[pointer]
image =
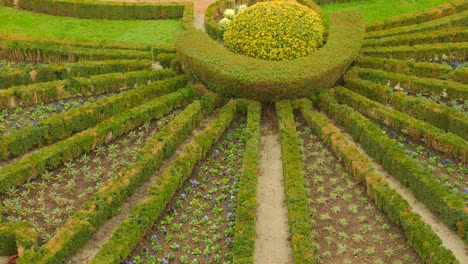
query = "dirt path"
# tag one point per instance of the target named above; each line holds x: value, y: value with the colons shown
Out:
x: 98, y: 239
x: 449, y: 239
x: 272, y: 245
x: 3, y: 259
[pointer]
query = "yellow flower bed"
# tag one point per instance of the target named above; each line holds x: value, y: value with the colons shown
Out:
x: 276, y: 30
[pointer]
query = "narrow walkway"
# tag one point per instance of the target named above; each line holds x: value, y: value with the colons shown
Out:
x: 272, y: 244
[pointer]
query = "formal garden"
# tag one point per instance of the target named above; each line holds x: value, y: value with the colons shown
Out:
x: 233, y: 131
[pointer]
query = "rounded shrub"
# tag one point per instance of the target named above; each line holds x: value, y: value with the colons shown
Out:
x: 277, y: 30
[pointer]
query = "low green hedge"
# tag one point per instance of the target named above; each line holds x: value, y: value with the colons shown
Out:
x: 433, y: 137
x: 424, y: 52
x: 145, y: 214
x: 103, y: 9
x: 50, y: 157
x: 449, y: 207
x: 456, y: 34
x: 46, y: 52
x: 16, y: 237
x: 234, y: 75
x: 106, y: 202
x: 418, y: 17
x: 413, y: 84
x: 75, y: 120
x: 420, y: 69
x: 246, y: 216
x: 46, y: 73
x: 461, y: 75
x: 300, y: 226
x: 9, y: 3
x: 456, y: 20
x: 165, y: 59
x: 420, y: 235
x: 27, y: 95
x: 441, y: 116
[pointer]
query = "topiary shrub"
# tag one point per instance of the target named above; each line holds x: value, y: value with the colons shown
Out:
x: 276, y: 30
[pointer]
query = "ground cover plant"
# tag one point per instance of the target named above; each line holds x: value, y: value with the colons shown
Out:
x: 348, y: 227
x: 39, y: 26
x: 105, y: 160
x: 49, y: 200
x: 198, y: 225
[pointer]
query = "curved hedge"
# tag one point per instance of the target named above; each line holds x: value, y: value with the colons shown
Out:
x: 104, y: 10
x: 235, y: 75
x: 216, y: 9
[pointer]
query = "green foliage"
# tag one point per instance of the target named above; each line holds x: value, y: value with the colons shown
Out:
x: 15, y: 237
x: 429, y: 190
x: 60, y: 71
x: 420, y: 235
x: 276, y: 30
x: 245, y: 233
x: 104, y: 10
x: 417, y: 129
x: 233, y: 75
x: 300, y: 226
x: 145, y: 214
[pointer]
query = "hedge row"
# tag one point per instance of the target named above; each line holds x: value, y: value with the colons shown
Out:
x: 456, y: 20
x: 145, y: 214
x: 32, y: 94
x: 46, y: 73
x: 234, y: 75
x: 456, y: 34
x: 46, y: 52
x: 449, y: 207
x: 461, y: 75
x: 216, y: 9
x: 419, y: 17
x: 16, y: 237
x: 425, y: 52
x: 419, y: 130
x: 441, y: 116
x: 420, y: 235
x: 50, y: 157
x: 187, y: 16
x: 106, y: 202
x: 9, y: 3
x: 76, y: 120
x: 413, y: 84
x: 300, y: 226
x: 103, y: 9
x: 246, y: 216
x: 420, y: 69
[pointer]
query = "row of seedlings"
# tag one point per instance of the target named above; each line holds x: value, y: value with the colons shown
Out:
x: 336, y: 192
x: 32, y: 94
x: 201, y: 202
x: 156, y: 146
x: 66, y: 123
x: 17, y: 171
x: 447, y: 205
x: 50, y: 199
x: 445, y: 154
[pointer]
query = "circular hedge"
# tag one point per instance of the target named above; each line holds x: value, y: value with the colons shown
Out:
x: 277, y: 30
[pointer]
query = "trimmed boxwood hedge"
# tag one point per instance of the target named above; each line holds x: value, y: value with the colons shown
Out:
x: 235, y: 75
x: 104, y: 10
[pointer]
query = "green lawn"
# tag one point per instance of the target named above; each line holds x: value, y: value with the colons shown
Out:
x: 24, y: 23
x: 383, y: 9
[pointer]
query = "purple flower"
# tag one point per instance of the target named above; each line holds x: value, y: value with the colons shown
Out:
x: 428, y: 153
x: 194, y: 182
x: 446, y: 161
x: 184, y: 196
x: 125, y: 262
x: 155, y: 236
x: 466, y: 191
x: 455, y: 64
x: 34, y: 123
x: 172, y: 209
x: 206, y: 218
x: 144, y: 250
x: 164, y: 260
x: 392, y: 134
x: 228, y: 239
x: 214, y: 200
x: 217, y: 151
x: 165, y: 232
x: 207, y: 260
